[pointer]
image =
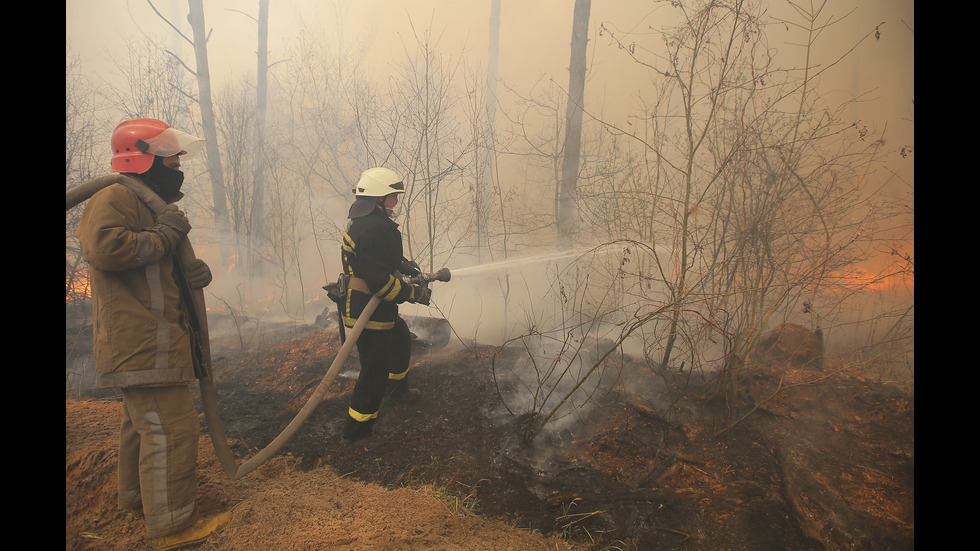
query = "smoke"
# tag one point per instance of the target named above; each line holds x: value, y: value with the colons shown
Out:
x: 553, y: 303
x: 559, y: 313
x: 553, y: 315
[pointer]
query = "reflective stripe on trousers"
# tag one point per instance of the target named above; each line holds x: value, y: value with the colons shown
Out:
x: 384, y: 355
x: 158, y: 444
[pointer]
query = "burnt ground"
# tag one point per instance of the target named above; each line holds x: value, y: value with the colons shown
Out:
x: 824, y: 459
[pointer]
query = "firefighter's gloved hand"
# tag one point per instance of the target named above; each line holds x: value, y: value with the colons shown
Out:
x: 420, y: 294
x: 172, y: 226
x: 198, y: 274
x: 409, y: 267
x: 175, y: 219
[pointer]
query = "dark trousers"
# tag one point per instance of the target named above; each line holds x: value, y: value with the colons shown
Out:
x: 384, y: 355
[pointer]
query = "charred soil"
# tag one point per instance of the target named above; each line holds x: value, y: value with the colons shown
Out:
x: 809, y: 460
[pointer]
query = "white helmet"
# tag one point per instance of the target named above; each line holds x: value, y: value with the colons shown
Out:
x: 374, y: 185
x: 379, y: 182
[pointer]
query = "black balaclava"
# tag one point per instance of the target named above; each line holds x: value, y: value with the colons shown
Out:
x: 163, y: 180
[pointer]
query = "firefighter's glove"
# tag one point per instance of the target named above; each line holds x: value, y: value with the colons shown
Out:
x: 409, y: 268
x: 172, y: 226
x: 420, y: 294
x: 198, y: 274
x: 175, y: 219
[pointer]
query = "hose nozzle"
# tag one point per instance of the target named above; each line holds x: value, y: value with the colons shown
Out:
x: 441, y: 275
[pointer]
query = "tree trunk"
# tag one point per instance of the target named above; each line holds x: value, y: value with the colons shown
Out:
x: 257, y: 234
x: 196, y: 19
x: 567, y: 199
x: 484, y: 190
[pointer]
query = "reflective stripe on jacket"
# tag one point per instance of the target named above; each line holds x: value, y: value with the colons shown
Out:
x: 372, y: 251
x: 141, y: 335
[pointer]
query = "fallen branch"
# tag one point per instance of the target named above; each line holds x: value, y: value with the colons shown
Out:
x: 603, y: 498
x: 664, y: 472
x: 810, y: 528
x: 677, y: 532
x: 646, y: 411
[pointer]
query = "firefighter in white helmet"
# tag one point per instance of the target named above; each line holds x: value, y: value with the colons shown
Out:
x: 373, y: 259
x: 142, y: 341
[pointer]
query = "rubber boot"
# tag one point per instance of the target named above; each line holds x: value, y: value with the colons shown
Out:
x: 357, y: 430
x: 404, y: 393
x: 195, y: 533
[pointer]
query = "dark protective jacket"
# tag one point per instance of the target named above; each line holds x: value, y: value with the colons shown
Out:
x: 141, y: 334
x: 372, y: 251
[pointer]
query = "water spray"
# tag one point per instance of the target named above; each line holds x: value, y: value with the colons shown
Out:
x: 524, y: 261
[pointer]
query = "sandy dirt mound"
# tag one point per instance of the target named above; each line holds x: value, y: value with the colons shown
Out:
x: 278, y: 507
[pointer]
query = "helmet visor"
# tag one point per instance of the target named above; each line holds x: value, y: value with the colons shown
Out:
x: 170, y: 142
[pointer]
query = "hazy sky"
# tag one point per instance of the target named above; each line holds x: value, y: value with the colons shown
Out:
x: 535, y: 38
x: 535, y: 34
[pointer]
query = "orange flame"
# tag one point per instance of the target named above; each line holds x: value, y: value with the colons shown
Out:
x: 78, y: 287
x: 866, y: 281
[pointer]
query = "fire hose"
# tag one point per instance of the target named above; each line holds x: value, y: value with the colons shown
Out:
x: 279, y: 441
x: 198, y: 315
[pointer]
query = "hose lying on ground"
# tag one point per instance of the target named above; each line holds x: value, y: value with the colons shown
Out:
x: 317, y: 396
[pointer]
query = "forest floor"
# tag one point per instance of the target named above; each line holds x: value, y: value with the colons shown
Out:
x: 814, y: 459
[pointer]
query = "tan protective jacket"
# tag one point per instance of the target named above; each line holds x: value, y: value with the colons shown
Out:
x: 141, y: 333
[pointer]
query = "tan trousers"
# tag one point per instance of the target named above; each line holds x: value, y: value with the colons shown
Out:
x: 158, y: 443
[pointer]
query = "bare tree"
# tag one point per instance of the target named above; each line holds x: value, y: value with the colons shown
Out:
x: 485, y: 180
x: 567, y: 204
x: 84, y: 131
x: 153, y: 86
x: 534, y: 133
x: 744, y: 180
x: 315, y: 149
x: 261, y: 100
x: 204, y: 100
x: 250, y: 235
x: 235, y: 119
x: 87, y: 134
x: 757, y: 181
x: 415, y: 128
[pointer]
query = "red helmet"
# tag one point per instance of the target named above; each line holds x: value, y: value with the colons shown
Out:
x: 136, y: 142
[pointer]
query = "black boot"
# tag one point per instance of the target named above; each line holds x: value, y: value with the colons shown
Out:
x: 357, y: 430
x: 404, y: 393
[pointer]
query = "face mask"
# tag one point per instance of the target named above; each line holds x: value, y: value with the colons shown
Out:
x: 395, y: 211
x: 392, y: 212
x: 165, y: 181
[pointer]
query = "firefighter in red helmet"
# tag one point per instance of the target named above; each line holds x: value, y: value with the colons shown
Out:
x: 143, y: 345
